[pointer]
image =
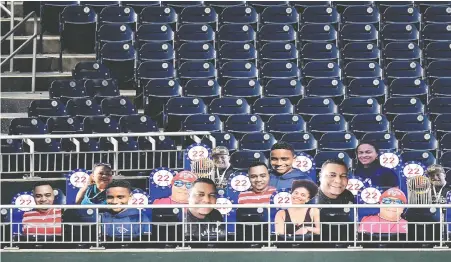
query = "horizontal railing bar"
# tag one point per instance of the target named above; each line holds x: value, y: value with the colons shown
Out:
x: 17, y: 26
x: 22, y: 46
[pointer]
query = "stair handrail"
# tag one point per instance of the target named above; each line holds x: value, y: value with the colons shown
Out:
x: 21, y: 47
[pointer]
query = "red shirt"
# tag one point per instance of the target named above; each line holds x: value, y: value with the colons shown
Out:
x: 251, y: 197
x: 42, y: 223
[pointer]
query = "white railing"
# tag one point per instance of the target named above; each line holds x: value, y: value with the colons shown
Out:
x: 182, y: 233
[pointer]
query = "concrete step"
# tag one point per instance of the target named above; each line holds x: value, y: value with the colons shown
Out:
x: 51, y: 45
x: 25, y: 29
x: 46, y: 62
x: 21, y: 82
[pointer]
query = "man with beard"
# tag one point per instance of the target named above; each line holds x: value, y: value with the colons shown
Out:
x: 181, y: 184
x: 42, y: 221
x: 223, y: 169
x: 260, y: 192
x: 440, y: 189
x: 283, y: 174
x: 94, y: 191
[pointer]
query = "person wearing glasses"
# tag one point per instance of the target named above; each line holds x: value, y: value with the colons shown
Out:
x: 94, y: 191
x: 440, y: 189
x: 389, y: 219
x: 181, y: 184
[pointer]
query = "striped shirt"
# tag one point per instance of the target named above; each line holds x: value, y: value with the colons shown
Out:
x: 251, y: 197
x: 42, y: 223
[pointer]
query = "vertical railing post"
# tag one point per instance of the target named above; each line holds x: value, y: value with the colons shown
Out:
x: 33, y: 66
x: 32, y: 156
x: 11, y: 39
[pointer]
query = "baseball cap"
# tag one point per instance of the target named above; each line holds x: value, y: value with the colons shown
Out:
x: 185, y: 175
x: 435, y: 169
x: 220, y: 150
x: 395, y: 193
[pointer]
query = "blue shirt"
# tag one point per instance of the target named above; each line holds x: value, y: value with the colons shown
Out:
x: 379, y: 175
x: 128, y: 223
x: 94, y: 196
x: 285, y: 181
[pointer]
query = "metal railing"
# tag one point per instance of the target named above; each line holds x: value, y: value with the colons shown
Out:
x: 13, y: 52
x: 34, y: 162
x: 83, y: 226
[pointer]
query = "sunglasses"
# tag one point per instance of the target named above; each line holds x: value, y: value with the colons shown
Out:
x: 180, y: 183
x: 391, y: 201
x: 102, y: 164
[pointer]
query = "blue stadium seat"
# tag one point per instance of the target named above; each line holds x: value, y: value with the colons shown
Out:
x: 342, y: 5
x: 262, y: 5
x: 137, y: 124
x: 359, y: 105
x: 207, y: 89
x: 237, y: 70
x: 437, y: 51
x: 244, y: 88
x: 120, y: 15
x: 83, y: 107
x: 261, y: 142
x: 237, y: 51
x: 180, y: 5
x: 90, y: 70
x: 219, y: 6
x: 321, y: 124
x: 366, y: 87
x: 266, y: 107
x: 356, y: 51
x: 101, y: 88
x: 419, y: 141
x: 289, y: 88
x: 441, y: 87
x: 275, y: 51
x: 358, y: 33
x: 99, y: 5
x: 120, y: 59
x: 241, y: 160
x: 239, y: 125
x: 301, y: 142
x: 27, y: 126
x: 223, y: 139
x: 63, y: 125
x: 437, y: 106
x: 445, y: 159
x: 402, y: 105
x: 310, y: 106
x: 403, y: 69
x: 445, y: 144
x: 195, y: 33
x: 280, y: 70
x: 339, y: 141
x: 114, y: 33
x: 199, y: 15
x: 153, y: 70
x: 77, y: 22
x: 138, y: 6
x: 276, y: 33
x: 383, y: 5
x: 326, y: 88
x: 196, y: 70
x: 437, y: 14
x: 279, y: 125
x: 408, y: 87
x: 360, y: 15
x: 318, y: 33
x: 402, y: 51
x: 442, y: 125
x: 154, y: 51
x: 67, y: 89
x: 435, y: 33
x: 227, y: 106
x: 363, y: 124
x: 385, y: 141
x: 159, y: 15
x: 399, y: 32
x: 45, y: 108
x: 280, y: 15
x: 323, y: 156
x: 320, y: 15
x: 196, y: 52
x: 438, y: 69
x: 362, y: 69
x: 319, y: 51
x: 48, y: 161
x: 300, y: 5
x: 236, y: 33
x: 424, y: 157
x: 118, y: 106
x: 204, y: 122
x: 403, y: 124
x: 154, y: 33
x: 239, y: 15
x: 321, y: 69
x: 50, y: 14
x: 178, y: 108
x: 401, y: 15
x: 100, y: 124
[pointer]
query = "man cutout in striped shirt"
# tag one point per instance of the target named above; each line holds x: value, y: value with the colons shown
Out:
x: 260, y: 192
x: 42, y: 221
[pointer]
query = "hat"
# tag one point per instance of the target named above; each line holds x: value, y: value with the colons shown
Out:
x: 311, y: 187
x: 185, y: 175
x: 220, y: 150
x: 394, y: 192
x: 435, y: 169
